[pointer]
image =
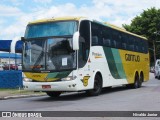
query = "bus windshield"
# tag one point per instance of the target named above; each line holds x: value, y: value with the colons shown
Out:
x: 48, y: 46
x: 61, y: 28
x: 49, y: 54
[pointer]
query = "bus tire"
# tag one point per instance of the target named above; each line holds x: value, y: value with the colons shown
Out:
x: 135, y: 85
x: 97, y: 86
x: 53, y: 94
x: 141, y: 79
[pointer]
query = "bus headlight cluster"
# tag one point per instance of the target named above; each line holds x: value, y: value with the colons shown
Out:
x: 69, y: 78
x: 25, y: 79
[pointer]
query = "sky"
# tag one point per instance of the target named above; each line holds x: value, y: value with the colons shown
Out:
x: 15, y: 14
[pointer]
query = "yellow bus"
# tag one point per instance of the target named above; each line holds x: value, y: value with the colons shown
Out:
x: 81, y: 54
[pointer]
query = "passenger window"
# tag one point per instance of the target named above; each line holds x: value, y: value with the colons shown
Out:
x: 97, y: 31
x: 94, y: 40
x: 106, y: 42
x: 124, y: 41
x: 106, y: 34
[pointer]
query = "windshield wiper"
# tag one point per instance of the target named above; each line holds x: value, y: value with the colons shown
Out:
x: 38, y: 60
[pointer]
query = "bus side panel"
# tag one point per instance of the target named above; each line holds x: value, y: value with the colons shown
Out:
x: 134, y: 61
x: 108, y: 61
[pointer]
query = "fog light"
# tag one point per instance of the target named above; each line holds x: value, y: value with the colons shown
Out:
x: 27, y: 79
x: 69, y: 78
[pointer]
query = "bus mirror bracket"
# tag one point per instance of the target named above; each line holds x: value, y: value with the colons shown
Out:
x: 76, y: 41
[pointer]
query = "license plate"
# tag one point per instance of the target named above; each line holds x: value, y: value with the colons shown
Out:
x: 46, y: 86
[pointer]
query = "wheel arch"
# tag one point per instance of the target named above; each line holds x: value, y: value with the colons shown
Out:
x: 97, y: 84
x: 98, y: 72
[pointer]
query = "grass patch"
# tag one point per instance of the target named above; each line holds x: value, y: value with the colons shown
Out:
x: 17, y: 92
x: 6, y: 89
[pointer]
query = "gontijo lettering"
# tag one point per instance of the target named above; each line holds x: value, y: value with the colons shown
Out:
x: 131, y: 57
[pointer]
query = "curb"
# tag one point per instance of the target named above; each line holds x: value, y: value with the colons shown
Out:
x: 20, y: 96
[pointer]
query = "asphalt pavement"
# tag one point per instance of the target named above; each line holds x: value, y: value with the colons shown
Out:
x: 146, y: 98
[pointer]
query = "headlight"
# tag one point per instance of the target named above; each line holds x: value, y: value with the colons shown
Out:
x: 27, y: 79
x: 69, y: 78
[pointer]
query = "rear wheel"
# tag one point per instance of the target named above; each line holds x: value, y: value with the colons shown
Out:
x: 140, y: 80
x: 53, y: 94
x: 136, y: 82
x: 97, y: 86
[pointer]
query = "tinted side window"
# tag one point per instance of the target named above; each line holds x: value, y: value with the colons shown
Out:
x: 114, y: 38
x: 146, y: 46
x: 119, y: 42
x: 107, y: 38
x: 131, y: 43
x: 136, y: 45
x: 97, y: 38
x: 124, y: 41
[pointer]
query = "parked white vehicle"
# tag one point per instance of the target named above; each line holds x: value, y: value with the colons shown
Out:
x: 1, y: 67
x: 19, y: 66
x: 157, y: 69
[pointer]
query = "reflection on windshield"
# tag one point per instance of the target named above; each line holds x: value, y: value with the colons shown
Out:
x: 49, y: 54
x: 63, y: 28
x: 34, y: 54
x: 60, y: 55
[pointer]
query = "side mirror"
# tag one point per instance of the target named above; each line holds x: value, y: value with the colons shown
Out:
x: 76, y: 41
x: 22, y: 38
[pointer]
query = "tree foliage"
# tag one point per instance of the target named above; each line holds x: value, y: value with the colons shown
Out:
x: 146, y: 24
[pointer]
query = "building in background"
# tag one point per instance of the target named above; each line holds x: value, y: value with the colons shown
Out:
x: 10, y: 58
x: 10, y: 51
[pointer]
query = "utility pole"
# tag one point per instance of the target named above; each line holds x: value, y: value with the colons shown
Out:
x: 154, y: 51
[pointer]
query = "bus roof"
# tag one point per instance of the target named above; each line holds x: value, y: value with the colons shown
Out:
x: 55, y: 19
x: 79, y: 18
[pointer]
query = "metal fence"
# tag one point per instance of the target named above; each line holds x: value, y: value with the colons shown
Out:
x: 10, y: 79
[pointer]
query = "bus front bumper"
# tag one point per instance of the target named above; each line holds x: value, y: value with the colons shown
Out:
x: 51, y: 86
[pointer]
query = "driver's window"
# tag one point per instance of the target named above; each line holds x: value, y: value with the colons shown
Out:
x: 84, y: 43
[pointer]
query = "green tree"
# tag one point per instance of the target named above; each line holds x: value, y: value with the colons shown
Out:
x: 146, y: 24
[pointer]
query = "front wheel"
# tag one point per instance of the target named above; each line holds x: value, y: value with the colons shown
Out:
x: 97, y: 86
x: 53, y: 94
